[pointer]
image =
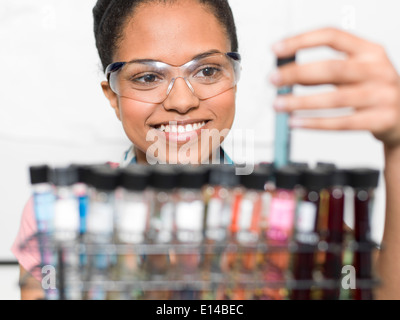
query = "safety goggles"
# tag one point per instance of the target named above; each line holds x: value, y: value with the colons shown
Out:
x: 152, y: 81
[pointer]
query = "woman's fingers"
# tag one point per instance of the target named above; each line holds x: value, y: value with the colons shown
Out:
x: 323, y: 72
x: 356, y: 96
x: 335, y: 72
x: 365, y: 79
x: 331, y: 37
x: 378, y: 122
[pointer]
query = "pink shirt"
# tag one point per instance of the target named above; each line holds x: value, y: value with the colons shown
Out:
x: 28, y: 256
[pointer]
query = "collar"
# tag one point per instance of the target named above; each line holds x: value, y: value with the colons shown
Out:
x: 129, y: 157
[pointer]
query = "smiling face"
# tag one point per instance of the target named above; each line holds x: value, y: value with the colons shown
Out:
x: 173, y: 33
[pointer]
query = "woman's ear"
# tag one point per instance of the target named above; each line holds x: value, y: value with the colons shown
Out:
x: 112, y: 97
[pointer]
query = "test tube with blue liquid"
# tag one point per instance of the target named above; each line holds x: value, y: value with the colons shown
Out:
x: 43, y: 203
x: 282, y: 144
x: 66, y: 231
x: 100, y: 229
x: 82, y: 193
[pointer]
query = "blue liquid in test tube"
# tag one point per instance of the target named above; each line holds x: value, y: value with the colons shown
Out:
x: 43, y: 202
x: 282, y: 130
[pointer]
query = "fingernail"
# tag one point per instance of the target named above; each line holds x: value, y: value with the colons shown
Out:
x: 278, y: 47
x: 296, y: 122
x: 276, y: 78
x: 280, y: 104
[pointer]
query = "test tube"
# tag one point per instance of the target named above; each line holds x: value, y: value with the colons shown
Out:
x: 189, y: 219
x: 245, y: 232
x: 66, y: 231
x: 252, y: 211
x: 159, y: 265
x: 221, y: 194
x: 66, y: 215
x: 43, y: 203
x: 222, y: 188
x: 299, y: 165
x: 364, y: 181
x: 81, y: 190
x: 306, y: 231
x: 266, y: 198
x: 131, y: 227
x: 100, y: 229
x: 282, y: 147
x: 335, y: 234
x: 336, y: 178
x: 279, y: 232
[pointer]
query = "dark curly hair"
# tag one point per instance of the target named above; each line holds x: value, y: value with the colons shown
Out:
x: 111, y: 15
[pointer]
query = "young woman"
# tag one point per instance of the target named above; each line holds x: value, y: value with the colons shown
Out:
x: 172, y: 68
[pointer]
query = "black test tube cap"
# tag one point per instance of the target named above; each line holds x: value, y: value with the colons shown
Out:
x: 258, y: 178
x: 300, y: 166
x: 192, y: 177
x: 326, y: 165
x: 103, y: 177
x: 223, y: 175
x: 39, y: 174
x: 64, y: 176
x: 338, y: 176
x: 286, y: 60
x: 316, y: 179
x: 135, y: 177
x: 287, y: 178
x: 363, y: 178
x: 164, y: 176
x: 83, y: 171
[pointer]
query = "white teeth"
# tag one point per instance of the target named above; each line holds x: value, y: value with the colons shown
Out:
x: 181, y: 129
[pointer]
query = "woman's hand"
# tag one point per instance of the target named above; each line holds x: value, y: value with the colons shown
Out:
x: 365, y: 80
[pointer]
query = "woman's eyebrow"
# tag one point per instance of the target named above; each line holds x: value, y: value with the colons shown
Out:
x: 205, y: 54
x: 198, y: 56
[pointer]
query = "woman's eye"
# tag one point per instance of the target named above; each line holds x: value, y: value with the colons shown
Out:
x: 208, y: 72
x: 148, y: 78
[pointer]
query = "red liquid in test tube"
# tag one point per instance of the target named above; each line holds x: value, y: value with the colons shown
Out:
x: 334, y: 258
x: 306, y: 232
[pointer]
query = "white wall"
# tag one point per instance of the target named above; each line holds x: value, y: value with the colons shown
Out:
x: 53, y: 111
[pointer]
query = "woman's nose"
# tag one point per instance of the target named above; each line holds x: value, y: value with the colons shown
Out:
x: 181, y: 97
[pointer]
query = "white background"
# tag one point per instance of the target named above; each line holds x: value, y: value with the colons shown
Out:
x: 53, y: 110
